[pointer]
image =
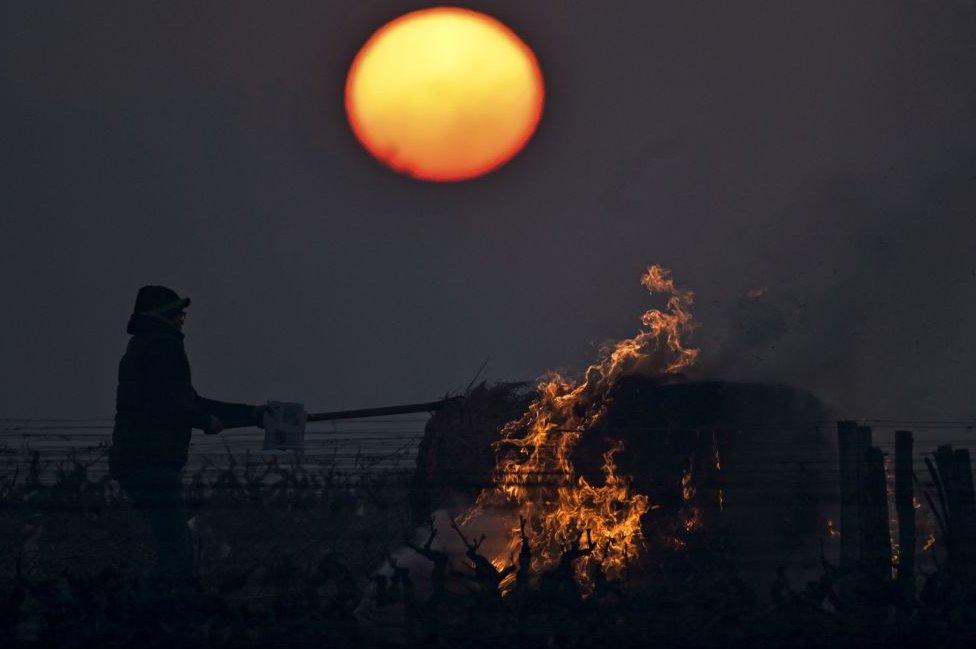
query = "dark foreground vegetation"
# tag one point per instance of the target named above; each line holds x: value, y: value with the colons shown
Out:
x: 287, y: 557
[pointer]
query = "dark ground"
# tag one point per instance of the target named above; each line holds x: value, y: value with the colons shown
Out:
x: 285, y: 557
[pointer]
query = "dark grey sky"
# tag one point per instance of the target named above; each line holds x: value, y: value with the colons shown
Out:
x: 824, y: 150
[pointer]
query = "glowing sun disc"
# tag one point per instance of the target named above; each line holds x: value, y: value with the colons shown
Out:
x: 444, y: 94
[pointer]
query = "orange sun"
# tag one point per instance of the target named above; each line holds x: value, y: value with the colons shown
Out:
x: 444, y: 94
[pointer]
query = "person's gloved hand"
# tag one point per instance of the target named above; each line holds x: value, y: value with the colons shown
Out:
x: 214, y: 427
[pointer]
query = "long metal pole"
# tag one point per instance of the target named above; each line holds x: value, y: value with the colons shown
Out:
x: 380, y: 412
x: 430, y: 406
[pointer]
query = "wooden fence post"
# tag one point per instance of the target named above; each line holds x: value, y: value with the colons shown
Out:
x: 875, y: 535
x: 965, y: 525
x: 946, y: 465
x: 905, y: 506
x: 852, y: 442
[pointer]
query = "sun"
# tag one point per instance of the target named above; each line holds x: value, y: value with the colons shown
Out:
x: 444, y: 94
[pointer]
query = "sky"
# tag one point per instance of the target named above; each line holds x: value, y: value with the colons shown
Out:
x: 818, y: 155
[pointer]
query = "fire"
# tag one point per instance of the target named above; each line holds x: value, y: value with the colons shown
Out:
x: 832, y: 530
x: 535, y: 476
x: 687, y: 488
x: 691, y: 514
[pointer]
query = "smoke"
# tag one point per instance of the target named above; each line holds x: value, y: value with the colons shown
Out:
x: 874, y: 325
x: 775, y: 336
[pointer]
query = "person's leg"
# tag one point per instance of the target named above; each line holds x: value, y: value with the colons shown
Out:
x: 168, y: 520
x: 159, y: 494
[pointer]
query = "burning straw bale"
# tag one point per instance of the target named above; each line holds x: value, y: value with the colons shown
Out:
x: 630, y: 452
x: 733, y: 457
x: 741, y: 448
x: 455, y: 457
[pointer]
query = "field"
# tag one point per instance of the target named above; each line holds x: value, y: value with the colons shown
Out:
x: 295, y: 552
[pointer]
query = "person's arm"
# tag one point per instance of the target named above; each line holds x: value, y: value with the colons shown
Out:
x: 229, y: 413
x: 168, y: 396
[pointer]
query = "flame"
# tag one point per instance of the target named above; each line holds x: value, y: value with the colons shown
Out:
x: 687, y: 489
x: 535, y: 475
x: 691, y: 514
x: 832, y: 531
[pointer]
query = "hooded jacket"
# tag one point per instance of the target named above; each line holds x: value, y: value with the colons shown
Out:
x: 155, y: 403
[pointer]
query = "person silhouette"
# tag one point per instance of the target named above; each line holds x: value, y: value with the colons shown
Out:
x: 156, y: 410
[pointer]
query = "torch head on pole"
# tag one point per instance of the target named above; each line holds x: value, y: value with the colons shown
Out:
x: 284, y: 426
